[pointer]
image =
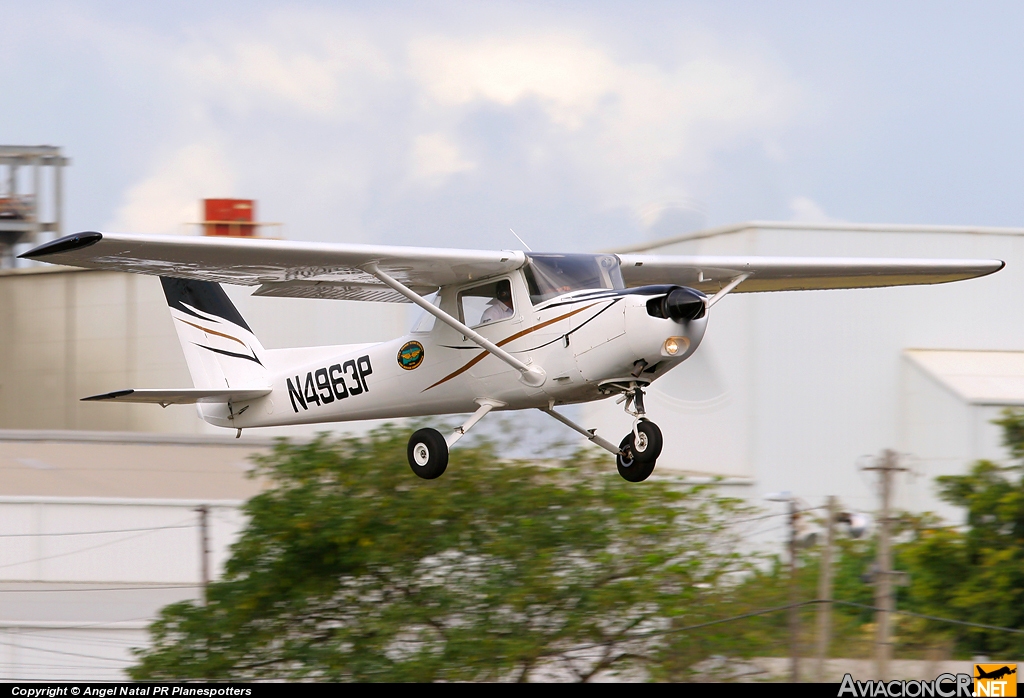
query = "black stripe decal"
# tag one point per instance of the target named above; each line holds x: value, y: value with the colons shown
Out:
x: 204, y: 296
x: 181, y: 308
x: 561, y: 337
x: 479, y: 357
x: 230, y: 353
x: 654, y: 290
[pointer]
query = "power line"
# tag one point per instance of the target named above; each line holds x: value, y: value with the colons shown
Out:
x: 725, y: 524
x: 93, y: 533
x: 72, y: 590
x: 69, y: 654
x: 779, y: 609
x: 669, y: 631
x: 75, y: 552
x: 954, y: 621
x: 813, y: 602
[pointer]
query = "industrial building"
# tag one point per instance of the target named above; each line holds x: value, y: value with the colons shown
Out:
x: 31, y: 195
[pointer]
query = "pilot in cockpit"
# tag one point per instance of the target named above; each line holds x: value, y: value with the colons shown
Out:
x: 499, y: 307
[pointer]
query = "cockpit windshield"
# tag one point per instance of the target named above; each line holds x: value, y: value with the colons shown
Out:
x: 551, y: 275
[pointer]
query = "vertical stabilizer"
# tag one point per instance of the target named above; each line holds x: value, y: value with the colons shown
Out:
x: 220, y: 349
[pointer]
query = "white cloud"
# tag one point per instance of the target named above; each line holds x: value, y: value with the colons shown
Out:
x: 355, y: 125
x: 169, y: 196
x: 806, y: 210
x: 435, y: 157
x: 312, y: 70
x: 565, y: 75
x: 636, y: 130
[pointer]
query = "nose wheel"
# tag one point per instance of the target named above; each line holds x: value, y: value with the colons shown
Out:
x: 639, y: 451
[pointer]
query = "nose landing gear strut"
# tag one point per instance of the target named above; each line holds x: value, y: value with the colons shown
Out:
x: 638, y: 452
x: 639, y: 449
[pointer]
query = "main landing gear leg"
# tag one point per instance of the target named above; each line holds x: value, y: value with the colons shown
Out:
x: 428, y: 449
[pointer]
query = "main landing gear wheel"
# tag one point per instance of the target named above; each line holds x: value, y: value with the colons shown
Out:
x: 639, y: 455
x: 428, y: 454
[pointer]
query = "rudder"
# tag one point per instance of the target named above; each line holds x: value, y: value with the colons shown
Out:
x: 220, y: 349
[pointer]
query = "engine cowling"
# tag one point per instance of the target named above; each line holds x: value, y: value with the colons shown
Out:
x: 681, y: 304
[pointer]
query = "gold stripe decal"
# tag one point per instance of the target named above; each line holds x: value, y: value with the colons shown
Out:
x: 479, y: 357
x: 219, y: 334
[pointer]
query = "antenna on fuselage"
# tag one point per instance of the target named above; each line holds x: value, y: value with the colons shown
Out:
x: 520, y: 240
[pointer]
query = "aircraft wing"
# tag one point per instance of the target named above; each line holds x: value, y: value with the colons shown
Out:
x: 279, y: 267
x: 182, y: 396
x: 333, y: 270
x: 711, y: 273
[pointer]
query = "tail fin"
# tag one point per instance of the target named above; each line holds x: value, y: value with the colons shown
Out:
x: 220, y: 349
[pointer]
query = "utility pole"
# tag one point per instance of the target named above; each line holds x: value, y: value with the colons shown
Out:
x: 825, y: 587
x: 886, y: 465
x: 204, y: 548
x: 794, y: 597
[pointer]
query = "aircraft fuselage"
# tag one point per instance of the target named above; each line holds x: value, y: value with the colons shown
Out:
x: 581, y: 341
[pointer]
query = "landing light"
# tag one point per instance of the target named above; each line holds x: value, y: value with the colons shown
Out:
x: 674, y: 345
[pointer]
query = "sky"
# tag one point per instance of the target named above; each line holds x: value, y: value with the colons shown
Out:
x: 580, y: 125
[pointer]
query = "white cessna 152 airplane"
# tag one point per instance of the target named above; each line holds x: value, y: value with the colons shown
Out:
x: 517, y: 330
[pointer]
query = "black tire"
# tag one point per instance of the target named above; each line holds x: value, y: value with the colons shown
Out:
x: 649, y: 448
x: 629, y: 468
x: 428, y: 454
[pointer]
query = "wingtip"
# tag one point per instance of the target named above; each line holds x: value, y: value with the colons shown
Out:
x: 68, y: 243
x: 108, y: 396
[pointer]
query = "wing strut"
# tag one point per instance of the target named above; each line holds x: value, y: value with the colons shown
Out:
x: 728, y: 287
x: 533, y: 376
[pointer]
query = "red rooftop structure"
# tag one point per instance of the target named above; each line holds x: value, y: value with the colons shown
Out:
x: 229, y: 217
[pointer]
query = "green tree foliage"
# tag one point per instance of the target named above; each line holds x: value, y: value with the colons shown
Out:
x: 975, y: 573
x: 350, y: 568
x: 972, y: 572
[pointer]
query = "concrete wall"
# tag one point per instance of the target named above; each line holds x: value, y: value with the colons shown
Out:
x: 98, y: 539
x: 82, y: 578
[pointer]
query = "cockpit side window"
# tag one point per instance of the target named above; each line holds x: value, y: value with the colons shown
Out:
x: 550, y: 275
x: 486, y: 303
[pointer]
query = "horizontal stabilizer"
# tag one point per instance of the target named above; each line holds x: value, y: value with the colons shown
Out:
x: 183, y: 396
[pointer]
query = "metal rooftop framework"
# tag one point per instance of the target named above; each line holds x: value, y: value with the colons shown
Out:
x: 28, y: 204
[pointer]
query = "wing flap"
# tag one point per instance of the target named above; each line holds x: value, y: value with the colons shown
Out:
x: 711, y: 273
x: 183, y: 396
x: 337, y: 291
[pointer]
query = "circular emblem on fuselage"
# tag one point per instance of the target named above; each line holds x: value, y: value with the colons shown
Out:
x: 410, y: 355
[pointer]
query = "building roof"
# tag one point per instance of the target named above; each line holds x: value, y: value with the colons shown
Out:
x: 127, y: 465
x: 977, y: 377
x: 836, y: 226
